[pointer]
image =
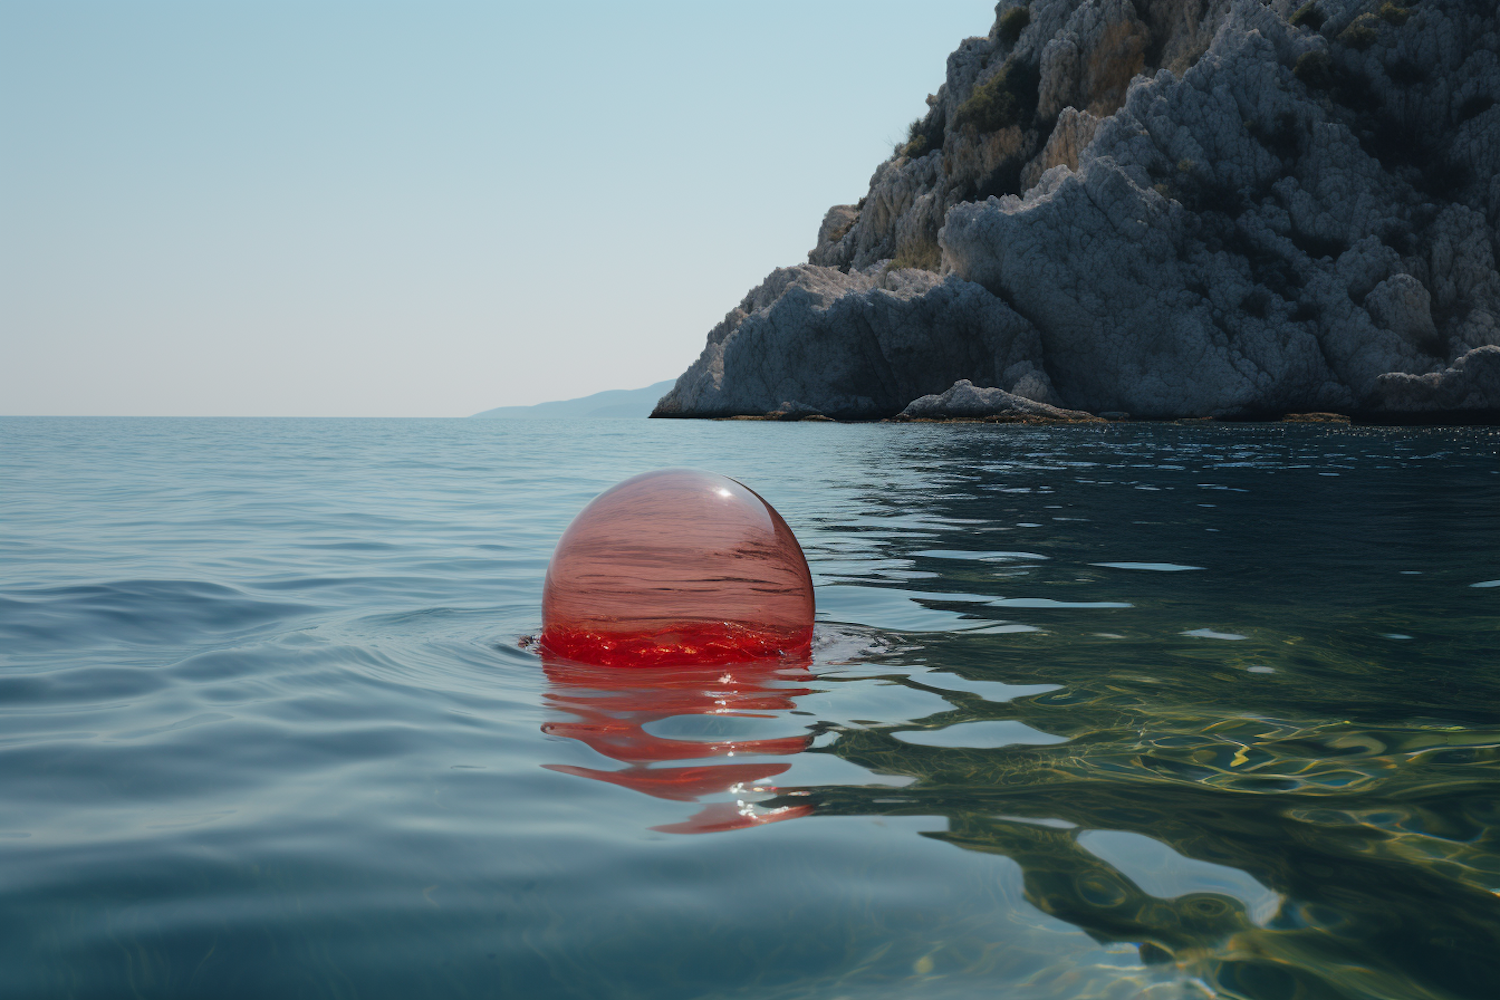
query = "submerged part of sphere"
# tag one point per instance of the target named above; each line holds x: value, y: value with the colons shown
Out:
x: 675, y: 567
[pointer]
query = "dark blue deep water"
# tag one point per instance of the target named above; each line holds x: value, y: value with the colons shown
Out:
x: 1132, y: 711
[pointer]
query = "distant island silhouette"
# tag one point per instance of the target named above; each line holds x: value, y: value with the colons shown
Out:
x: 609, y: 403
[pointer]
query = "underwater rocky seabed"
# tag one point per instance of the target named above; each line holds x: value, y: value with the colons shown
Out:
x: 1160, y: 208
x: 1110, y: 710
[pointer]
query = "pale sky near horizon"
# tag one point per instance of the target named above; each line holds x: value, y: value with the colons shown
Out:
x: 383, y: 209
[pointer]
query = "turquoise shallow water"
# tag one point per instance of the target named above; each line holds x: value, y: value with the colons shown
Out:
x: 1128, y: 711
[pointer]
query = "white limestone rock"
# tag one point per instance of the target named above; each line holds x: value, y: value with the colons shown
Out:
x: 1074, y: 131
x: 1096, y: 47
x: 836, y: 224
x: 856, y: 345
x: 1472, y: 383
x: 1090, y: 62
x: 964, y: 399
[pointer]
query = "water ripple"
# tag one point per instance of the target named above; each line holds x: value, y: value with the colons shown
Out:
x: 270, y: 719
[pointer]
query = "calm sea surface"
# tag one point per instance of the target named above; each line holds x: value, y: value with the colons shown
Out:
x: 1142, y: 710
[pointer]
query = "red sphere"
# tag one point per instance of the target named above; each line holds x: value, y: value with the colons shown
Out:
x: 674, y: 567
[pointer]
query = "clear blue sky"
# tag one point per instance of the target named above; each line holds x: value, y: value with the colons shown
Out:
x: 377, y: 209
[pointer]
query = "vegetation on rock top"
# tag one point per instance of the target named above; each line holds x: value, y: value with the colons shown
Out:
x: 1004, y: 100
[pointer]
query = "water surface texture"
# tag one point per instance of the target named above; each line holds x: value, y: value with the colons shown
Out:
x: 1114, y: 711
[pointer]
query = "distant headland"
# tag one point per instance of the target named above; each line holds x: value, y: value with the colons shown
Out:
x: 610, y: 403
x: 1162, y: 209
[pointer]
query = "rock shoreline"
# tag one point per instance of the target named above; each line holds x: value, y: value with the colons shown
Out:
x: 1434, y: 419
x: 1164, y: 208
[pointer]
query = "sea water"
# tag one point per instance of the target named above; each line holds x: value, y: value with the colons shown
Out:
x: 1126, y: 710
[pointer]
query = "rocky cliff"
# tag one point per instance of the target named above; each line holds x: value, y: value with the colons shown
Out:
x: 1168, y: 208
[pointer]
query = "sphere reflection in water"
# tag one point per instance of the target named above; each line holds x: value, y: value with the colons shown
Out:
x: 610, y: 710
x: 677, y: 567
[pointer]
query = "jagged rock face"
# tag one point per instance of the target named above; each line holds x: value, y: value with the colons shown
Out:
x: 856, y: 346
x: 1253, y: 245
x: 1202, y: 208
x: 1056, y: 55
x: 1075, y: 130
x: 1092, y: 60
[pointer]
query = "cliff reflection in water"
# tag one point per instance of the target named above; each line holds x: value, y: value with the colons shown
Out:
x: 1266, y: 858
x: 1320, y: 785
x: 1288, y: 858
x: 610, y: 709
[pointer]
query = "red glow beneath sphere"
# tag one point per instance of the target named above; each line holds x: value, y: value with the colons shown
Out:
x: 677, y: 567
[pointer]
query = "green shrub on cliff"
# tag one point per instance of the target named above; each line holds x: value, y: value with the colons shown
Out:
x: 1005, y: 99
x: 923, y: 135
x: 1308, y: 14
x: 915, y: 143
x: 1361, y: 32
x: 1393, y: 14
x: 1314, y: 69
x: 1012, y: 23
x: 923, y: 254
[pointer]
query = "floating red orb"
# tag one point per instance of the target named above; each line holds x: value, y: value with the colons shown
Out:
x: 677, y: 567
